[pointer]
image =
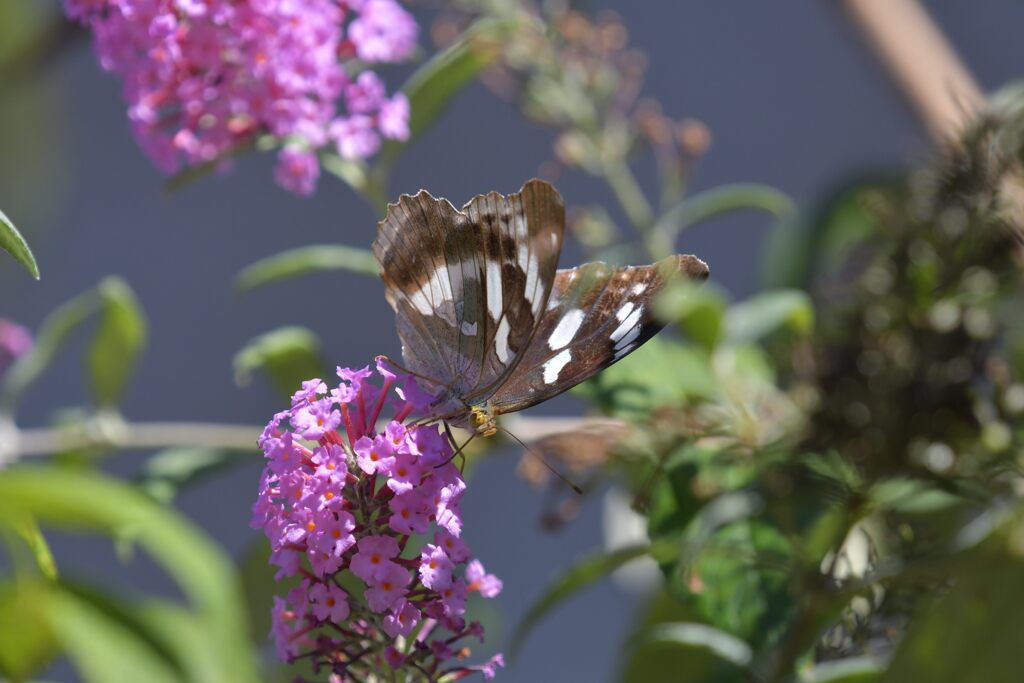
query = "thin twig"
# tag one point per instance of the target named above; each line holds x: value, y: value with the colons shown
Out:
x: 133, y: 436
x: 921, y: 60
x: 18, y: 443
x: 931, y: 75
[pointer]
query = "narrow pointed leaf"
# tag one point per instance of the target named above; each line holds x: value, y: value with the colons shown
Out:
x: 760, y: 315
x: 305, y: 261
x: 720, y: 200
x: 694, y: 635
x: 102, y: 648
x: 863, y: 669
x: 431, y: 88
x: 117, y: 342
x: 27, y: 643
x: 583, y: 574
x: 14, y: 244
x: 169, y: 471
x: 78, y: 500
x: 51, y: 337
x: 30, y: 532
x: 288, y: 355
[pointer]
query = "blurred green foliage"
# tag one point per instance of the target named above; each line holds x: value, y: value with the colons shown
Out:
x: 844, y: 464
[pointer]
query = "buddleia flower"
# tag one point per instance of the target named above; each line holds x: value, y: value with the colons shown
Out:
x: 366, y: 515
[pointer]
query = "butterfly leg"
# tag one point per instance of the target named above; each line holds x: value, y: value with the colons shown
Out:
x: 457, y: 448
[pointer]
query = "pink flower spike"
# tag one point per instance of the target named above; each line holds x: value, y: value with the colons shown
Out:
x: 329, y: 602
x: 372, y: 421
x: 453, y: 599
x: 404, y: 473
x: 385, y: 593
x: 478, y: 579
x: 454, y: 547
x: 373, y: 560
x: 15, y: 341
x: 393, y: 657
x: 393, y: 118
x: 435, y: 568
x: 297, y: 171
x: 374, y: 455
x: 315, y: 419
x: 402, y: 620
x: 409, y: 515
x: 324, y: 515
x: 311, y: 388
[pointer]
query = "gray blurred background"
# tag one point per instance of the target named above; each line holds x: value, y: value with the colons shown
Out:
x: 790, y: 93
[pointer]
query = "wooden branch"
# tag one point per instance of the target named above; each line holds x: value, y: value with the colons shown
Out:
x: 920, y: 59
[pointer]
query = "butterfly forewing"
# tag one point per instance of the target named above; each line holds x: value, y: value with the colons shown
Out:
x: 469, y: 286
x: 595, y: 315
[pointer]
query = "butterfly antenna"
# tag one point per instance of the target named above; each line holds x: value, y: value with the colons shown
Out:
x: 565, y: 480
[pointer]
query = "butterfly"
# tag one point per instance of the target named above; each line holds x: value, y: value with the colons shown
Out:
x: 484, y: 314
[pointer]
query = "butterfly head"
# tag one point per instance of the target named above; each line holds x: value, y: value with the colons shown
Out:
x: 482, y: 419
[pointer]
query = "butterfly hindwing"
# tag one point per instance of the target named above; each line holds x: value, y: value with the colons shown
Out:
x: 596, y: 314
x: 469, y: 286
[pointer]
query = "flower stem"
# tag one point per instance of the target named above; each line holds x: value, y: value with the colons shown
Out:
x: 631, y: 198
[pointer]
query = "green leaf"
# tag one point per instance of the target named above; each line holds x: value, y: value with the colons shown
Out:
x: 699, y: 309
x: 256, y: 576
x: 760, y: 315
x: 51, y: 337
x: 743, y: 578
x: 28, y: 529
x: 80, y: 500
x: 720, y: 200
x: 863, y: 669
x: 304, y: 261
x: 103, y: 648
x: 700, y: 636
x: 288, y: 355
x: 14, y: 244
x: 910, y: 496
x: 973, y: 633
x: 117, y: 341
x: 27, y: 643
x: 431, y: 88
x: 169, y: 471
x: 163, y: 630
x: 817, y: 239
x: 181, y: 634
x: 659, y: 663
x: 659, y: 373
x: 581, y: 575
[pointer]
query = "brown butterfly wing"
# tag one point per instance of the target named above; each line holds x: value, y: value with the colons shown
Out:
x: 595, y: 316
x: 468, y: 286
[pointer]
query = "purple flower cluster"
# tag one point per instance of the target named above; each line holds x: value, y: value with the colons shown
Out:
x: 370, y: 522
x: 15, y: 341
x: 204, y: 78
